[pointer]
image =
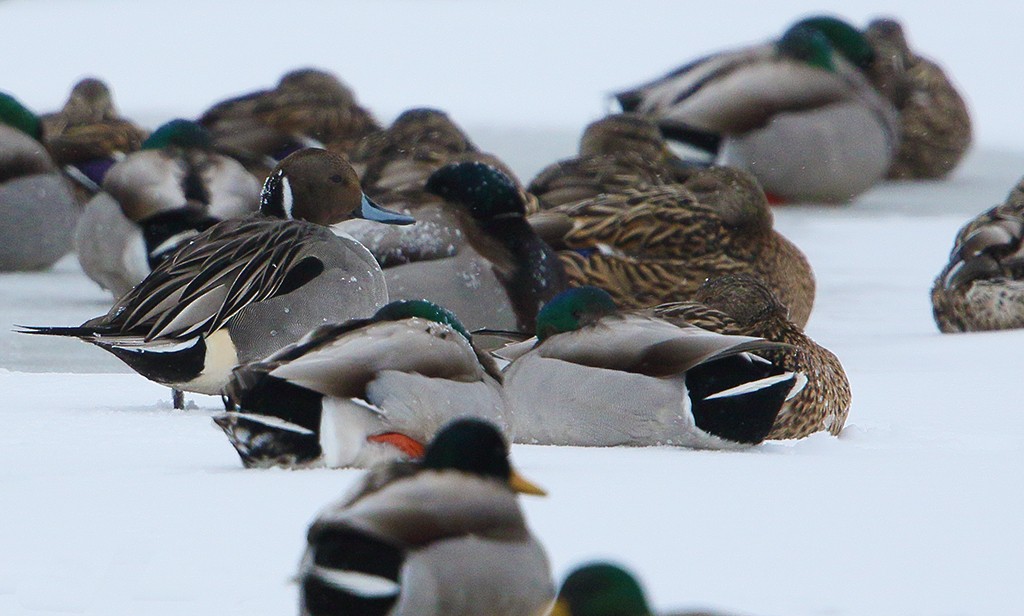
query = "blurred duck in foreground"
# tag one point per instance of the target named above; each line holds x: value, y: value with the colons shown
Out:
x: 155, y: 200
x: 245, y: 288
x: 799, y: 112
x: 648, y: 244
x: 444, y: 536
x: 745, y: 306
x: 37, y: 209
x: 362, y: 392
x: 982, y: 286
x: 308, y: 107
x: 87, y: 136
x: 594, y: 376
x: 606, y: 589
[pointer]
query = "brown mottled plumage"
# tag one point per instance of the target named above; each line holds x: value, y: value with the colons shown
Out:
x: 934, y: 121
x: 655, y: 244
x: 742, y: 305
x: 616, y: 152
x: 982, y: 286
x: 305, y: 107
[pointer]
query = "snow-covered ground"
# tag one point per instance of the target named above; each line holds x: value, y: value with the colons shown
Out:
x: 112, y: 504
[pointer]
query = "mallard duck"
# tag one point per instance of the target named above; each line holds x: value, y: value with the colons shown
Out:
x: 362, y: 392
x: 605, y: 589
x: 245, y: 288
x: 795, y: 112
x: 982, y: 286
x: 745, y: 306
x: 594, y: 376
x: 935, y: 125
x: 617, y: 152
x: 307, y: 107
x: 37, y: 209
x: 156, y: 199
x: 440, y: 537
x: 87, y: 136
x: 655, y: 244
x: 471, y: 249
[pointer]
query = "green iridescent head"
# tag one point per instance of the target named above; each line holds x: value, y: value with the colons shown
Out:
x: 572, y: 309
x: 470, y: 445
x: 482, y: 189
x: 179, y: 133
x: 844, y: 38
x: 601, y: 589
x: 16, y: 115
x: 408, y: 308
x: 806, y: 44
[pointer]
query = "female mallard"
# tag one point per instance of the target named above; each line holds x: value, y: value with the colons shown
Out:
x: 87, y: 136
x: 37, y: 209
x: 982, y: 286
x: 440, y: 537
x: 307, y: 107
x: 656, y: 244
x: 361, y: 392
x: 156, y: 199
x: 597, y: 377
x: 935, y: 125
x: 795, y: 112
x: 605, y: 589
x: 745, y: 306
x: 245, y: 288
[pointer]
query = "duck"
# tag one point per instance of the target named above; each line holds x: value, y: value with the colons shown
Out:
x: 37, y: 208
x: 605, y: 589
x: 307, y: 107
x: 471, y: 250
x: 981, y: 288
x: 363, y: 392
x: 794, y: 112
x: 88, y: 135
x: 935, y: 123
x: 743, y: 305
x: 656, y: 243
x: 246, y: 287
x: 595, y: 376
x: 619, y: 151
x: 157, y: 198
x: 442, y: 536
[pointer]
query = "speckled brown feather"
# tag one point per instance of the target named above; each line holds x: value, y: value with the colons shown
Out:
x: 743, y: 305
x: 981, y: 288
x: 934, y: 121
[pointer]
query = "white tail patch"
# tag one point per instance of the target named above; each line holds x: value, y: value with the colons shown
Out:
x: 356, y: 583
x: 752, y: 386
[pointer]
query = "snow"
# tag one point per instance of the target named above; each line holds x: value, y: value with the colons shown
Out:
x: 114, y: 504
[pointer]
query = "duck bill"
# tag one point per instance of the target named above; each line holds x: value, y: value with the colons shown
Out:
x: 371, y: 211
x: 560, y: 608
x: 525, y: 486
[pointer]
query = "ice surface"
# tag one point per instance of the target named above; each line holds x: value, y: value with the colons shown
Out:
x: 113, y: 504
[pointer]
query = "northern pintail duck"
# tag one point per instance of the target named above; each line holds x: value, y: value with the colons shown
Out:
x: 88, y: 135
x: 935, y: 124
x: 307, y: 107
x: 362, y: 392
x: 652, y: 244
x: 982, y: 286
x: 37, y: 209
x: 606, y: 589
x: 745, y: 306
x: 245, y: 288
x: 794, y: 112
x: 441, y: 537
x: 156, y: 199
x: 595, y: 376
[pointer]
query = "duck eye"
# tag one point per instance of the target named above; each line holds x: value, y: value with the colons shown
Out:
x: 337, y: 179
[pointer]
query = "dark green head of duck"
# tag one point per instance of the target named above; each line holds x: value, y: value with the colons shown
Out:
x: 16, y: 115
x: 572, y: 309
x: 844, y: 38
x: 485, y: 192
x: 179, y: 133
x: 807, y: 44
x: 601, y: 589
x: 408, y: 308
x: 470, y: 445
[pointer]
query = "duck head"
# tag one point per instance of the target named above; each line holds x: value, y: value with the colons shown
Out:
x: 746, y: 299
x: 409, y: 308
x: 600, y: 589
x: 476, y: 447
x: 485, y: 193
x: 844, y: 38
x: 321, y: 187
x: 809, y: 45
x: 90, y: 101
x: 179, y: 133
x: 16, y: 115
x: 573, y: 309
